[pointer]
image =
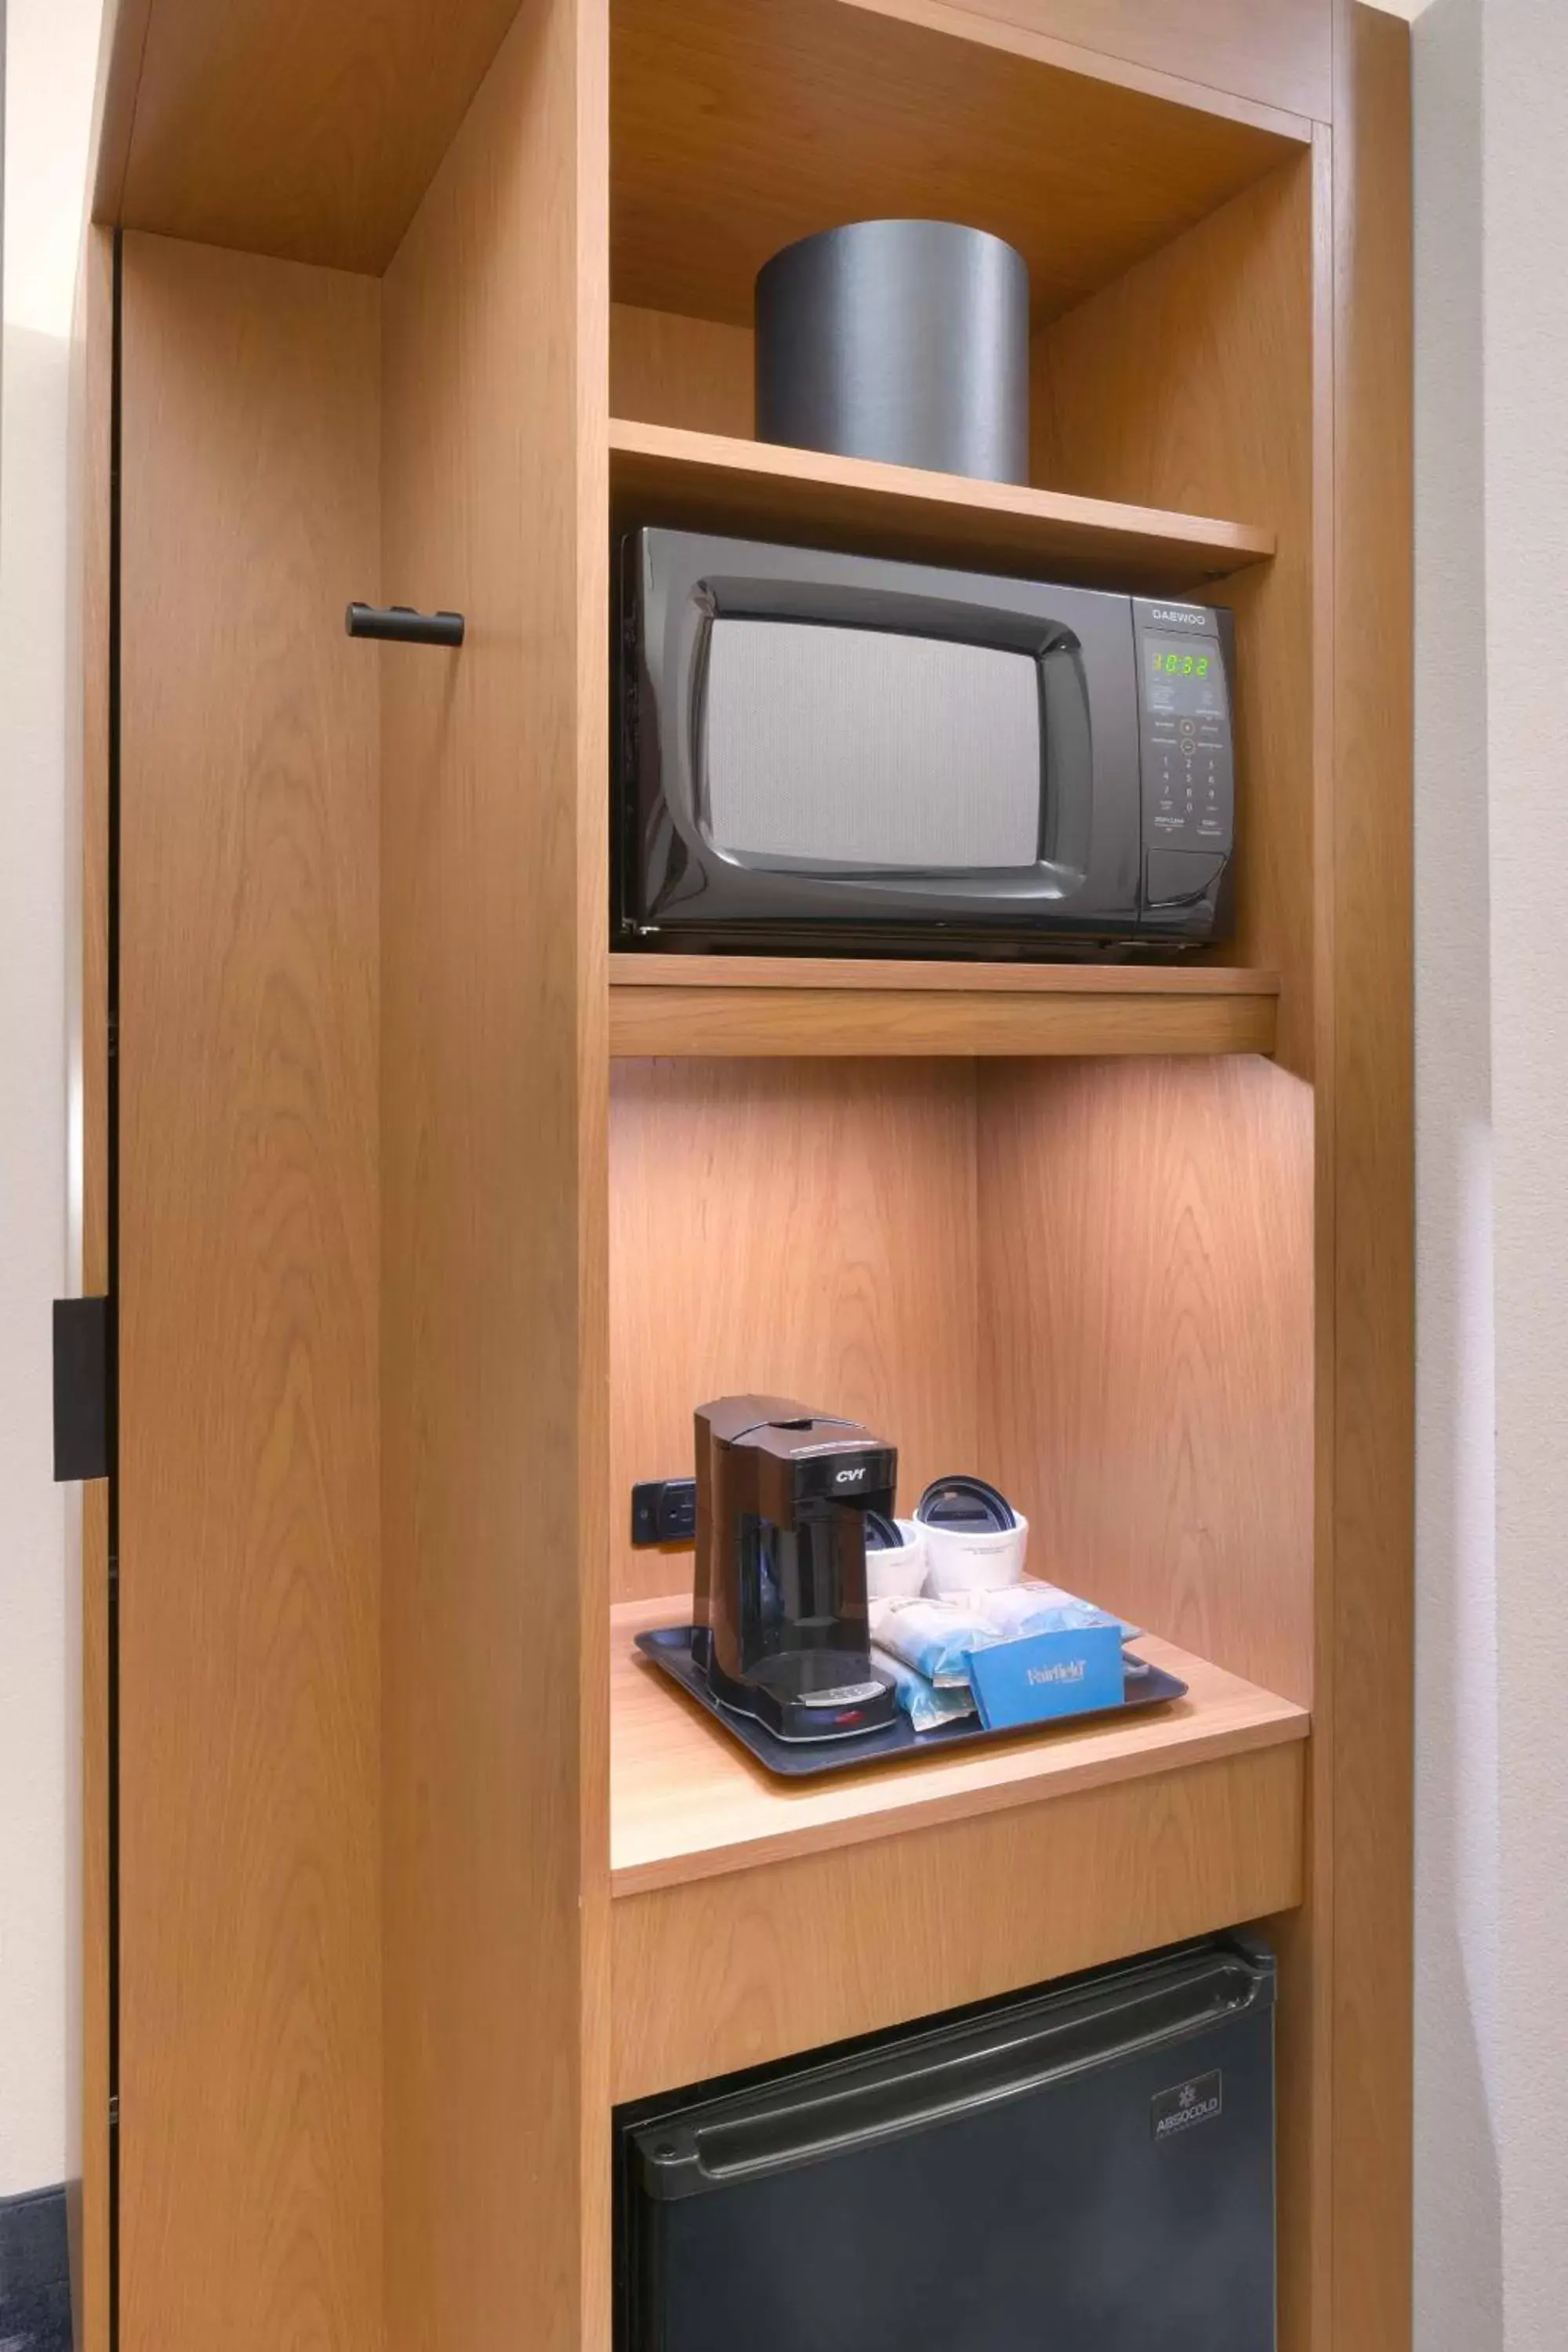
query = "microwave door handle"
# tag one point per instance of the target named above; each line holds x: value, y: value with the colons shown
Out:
x: 1066, y: 833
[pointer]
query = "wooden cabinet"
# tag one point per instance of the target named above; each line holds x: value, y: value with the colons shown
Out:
x: 427, y: 1218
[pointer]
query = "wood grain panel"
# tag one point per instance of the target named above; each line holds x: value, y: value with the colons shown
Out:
x: 311, y: 131
x: 1189, y: 385
x: 893, y: 975
x: 303, y: 128
x: 687, y: 1802
x: 122, y: 41
x: 1363, y: 1900
x: 687, y: 1021
x: 794, y: 1229
x: 1239, y: 316
x: 738, y: 125
x: 1279, y: 53
x: 661, y: 473
x: 692, y: 1004
x: 494, y: 1374
x: 250, y: 2038
x: 89, y: 1274
x: 90, y: 2161
x: 1304, y: 2038
x: 1146, y: 1349
x: 694, y: 373
x: 787, y: 1958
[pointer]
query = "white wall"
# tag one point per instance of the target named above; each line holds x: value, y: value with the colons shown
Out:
x: 1492, y: 2136
x: 1457, y: 2190
x: 52, y: 49
x: 1524, y: 78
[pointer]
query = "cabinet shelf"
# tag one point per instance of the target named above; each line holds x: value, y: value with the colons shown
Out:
x: 738, y: 125
x: 665, y: 473
x: 701, y: 1005
x: 686, y: 1804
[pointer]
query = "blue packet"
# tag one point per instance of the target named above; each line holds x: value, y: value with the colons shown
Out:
x: 935, y: 1637
x: 938, y: 1638
x: 925, y: 1706
x: 1017, y: 1610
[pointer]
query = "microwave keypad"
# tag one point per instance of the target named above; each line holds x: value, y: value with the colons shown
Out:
x: 1188, y: 780
x: 1190, y: 795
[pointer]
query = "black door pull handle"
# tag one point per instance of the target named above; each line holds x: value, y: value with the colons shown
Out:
x: 400, y: 625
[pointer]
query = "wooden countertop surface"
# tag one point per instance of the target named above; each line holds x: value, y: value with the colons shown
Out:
x: 685, y: 1802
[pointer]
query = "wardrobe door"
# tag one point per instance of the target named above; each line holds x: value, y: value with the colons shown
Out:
x: 248, y: 1749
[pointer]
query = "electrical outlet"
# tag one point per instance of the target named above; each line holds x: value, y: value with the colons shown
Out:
x: 664, y: 1511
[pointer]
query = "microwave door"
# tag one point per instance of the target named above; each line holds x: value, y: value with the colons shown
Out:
x: 835, y: 743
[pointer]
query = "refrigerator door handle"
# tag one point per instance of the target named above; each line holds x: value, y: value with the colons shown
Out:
x: 849, y: 2105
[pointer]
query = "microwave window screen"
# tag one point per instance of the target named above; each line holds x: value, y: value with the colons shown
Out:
x: 862, y: 746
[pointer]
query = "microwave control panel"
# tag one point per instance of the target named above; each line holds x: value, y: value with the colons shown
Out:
x: 1188, y: 762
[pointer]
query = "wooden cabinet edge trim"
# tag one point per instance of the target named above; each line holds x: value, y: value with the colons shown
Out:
x: 1011, y: 1796
x: 1096, y: 65
x: 872, y: 974
x: 1248, y: 1863
x: 651, y: 454
x: 850, y: 1023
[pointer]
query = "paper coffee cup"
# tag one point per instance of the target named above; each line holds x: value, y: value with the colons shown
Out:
x: 974, y: 1559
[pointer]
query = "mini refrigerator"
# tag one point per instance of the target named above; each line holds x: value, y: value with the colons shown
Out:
x: 1086, y: 2167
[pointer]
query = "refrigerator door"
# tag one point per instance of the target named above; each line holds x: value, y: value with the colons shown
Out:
x: 1080, y: 2170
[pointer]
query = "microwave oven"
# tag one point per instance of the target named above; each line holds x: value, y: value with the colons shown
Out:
x: 837, y: 754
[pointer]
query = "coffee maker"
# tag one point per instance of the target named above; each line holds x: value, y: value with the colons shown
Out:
x: 779, y: 1599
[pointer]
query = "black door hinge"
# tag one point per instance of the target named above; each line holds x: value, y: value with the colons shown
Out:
x: 81, y: 1389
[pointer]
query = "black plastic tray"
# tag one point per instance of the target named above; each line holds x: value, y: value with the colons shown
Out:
x: 794, y: 1759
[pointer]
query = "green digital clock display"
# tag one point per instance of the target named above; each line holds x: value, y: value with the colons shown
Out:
x: 1186, y: 679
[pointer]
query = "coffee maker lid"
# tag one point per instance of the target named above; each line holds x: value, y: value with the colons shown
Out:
x: 964, y: 1502
x: 817, y: 1441
x: 730, y: 1419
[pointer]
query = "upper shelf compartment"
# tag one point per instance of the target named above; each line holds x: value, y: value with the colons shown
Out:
x: 661, y: 473
x: 738, y: 125
x: 320, y: 146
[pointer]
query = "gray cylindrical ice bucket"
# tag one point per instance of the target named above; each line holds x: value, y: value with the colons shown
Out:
x: 904, y: 340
